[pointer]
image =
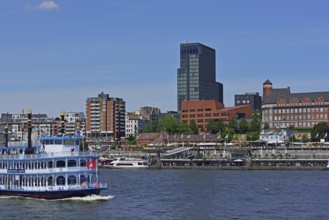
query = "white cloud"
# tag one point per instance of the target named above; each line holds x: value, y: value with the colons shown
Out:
x: 48, y: 5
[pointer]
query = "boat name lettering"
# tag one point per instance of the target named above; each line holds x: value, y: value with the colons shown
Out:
x: 16, y: 171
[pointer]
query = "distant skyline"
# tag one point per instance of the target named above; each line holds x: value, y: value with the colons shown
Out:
x: 56, y: 54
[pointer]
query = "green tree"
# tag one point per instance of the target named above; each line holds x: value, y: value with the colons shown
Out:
x: 184, y: 128
x: 220, y: 125
x: 211, y: 127
x: 252, y: 136
x: 151, y: 127
x: 193, y: 127
x: 243, y: 126
x: 233, y: 125
x: 304, y: 138
x: 266, y: 125
x: 131, y: 140
x: 169, y: 124
x: 319, y: 130
x: 255, y: 123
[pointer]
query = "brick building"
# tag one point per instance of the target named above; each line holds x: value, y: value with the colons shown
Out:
x: 283, y: 109
x: 105, y: 117
x: 204, y: 111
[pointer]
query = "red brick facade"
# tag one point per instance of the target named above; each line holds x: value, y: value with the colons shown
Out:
x: 204, y: 111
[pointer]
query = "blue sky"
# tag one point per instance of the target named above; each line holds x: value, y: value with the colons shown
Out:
x: 55, y: 54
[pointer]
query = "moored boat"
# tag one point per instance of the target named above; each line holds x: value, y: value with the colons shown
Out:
x: 122, y: 162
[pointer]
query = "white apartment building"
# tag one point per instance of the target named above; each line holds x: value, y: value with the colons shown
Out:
x: 134, y: 124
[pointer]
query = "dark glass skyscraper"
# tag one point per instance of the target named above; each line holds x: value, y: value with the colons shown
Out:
x: 196, y: 77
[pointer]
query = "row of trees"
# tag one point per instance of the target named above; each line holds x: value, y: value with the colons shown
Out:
x: 227, y: 131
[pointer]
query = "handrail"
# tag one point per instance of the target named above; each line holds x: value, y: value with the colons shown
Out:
x: 45, y: 155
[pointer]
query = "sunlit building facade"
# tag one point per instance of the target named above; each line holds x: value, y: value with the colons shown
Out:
x: 196, y: 76
x: 283, y: 109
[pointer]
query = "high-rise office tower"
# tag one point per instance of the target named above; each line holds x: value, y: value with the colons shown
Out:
x: 196, y: 76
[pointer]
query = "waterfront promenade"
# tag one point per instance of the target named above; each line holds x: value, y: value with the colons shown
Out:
x: 231, y: 157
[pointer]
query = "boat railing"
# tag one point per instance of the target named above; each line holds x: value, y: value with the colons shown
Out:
x: 45, y: 155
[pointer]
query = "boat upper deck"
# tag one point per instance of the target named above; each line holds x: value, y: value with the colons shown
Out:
x: 17, y: 156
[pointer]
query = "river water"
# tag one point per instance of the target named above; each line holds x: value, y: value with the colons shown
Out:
x: 189, y: 194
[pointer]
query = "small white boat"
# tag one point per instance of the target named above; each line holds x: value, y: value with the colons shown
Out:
x: 122, y: 162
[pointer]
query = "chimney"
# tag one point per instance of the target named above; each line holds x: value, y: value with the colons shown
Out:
x: 29, y: 149
x: 62, y: 131
x: 6, y: 135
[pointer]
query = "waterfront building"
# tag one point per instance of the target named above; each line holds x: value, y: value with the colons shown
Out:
x: 276, y: 136
x: 105, y: 118
x: 282, y: 109
x: 196, y: 76
x: 252, y: 98
x: 17, y: 125
x: 201, y: 112
x: 134, y: 124
x: 71, y: 122
x: 149, y: 113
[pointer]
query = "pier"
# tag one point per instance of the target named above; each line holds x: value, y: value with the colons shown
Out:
x: 232, y: 157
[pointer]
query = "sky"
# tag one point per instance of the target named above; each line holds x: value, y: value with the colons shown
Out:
x: 55, y: 54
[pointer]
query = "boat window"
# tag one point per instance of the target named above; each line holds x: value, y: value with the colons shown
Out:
x: 1, y: 165
x: 58, y: 141
x: 83, y: 179
x: 82, y: 163
x: 24, y: 181
x: 77, y: 142
x: 60, y: 181
x: 60, y: 163
x: 72, y: 180
x: 37, y: 181
x: 50, y: 181
x: 68, y: 142
x: 72, y: 163
x: 50, y: 164
x: 43, y: 181
x: 51, y: 142
x: 46, y: 141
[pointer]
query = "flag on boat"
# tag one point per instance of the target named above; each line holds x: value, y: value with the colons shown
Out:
x: 91, y: 164
x: 326, y: 134
x: 226, y: 136
x: 218, y: 136
x: 188, y: 136
x: 317, y: 135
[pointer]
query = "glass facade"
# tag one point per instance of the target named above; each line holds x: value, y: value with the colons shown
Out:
x: 196, y: 77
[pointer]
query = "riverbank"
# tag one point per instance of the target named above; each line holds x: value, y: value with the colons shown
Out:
x: 242, y: 168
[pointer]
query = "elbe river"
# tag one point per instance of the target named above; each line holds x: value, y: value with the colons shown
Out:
x: 189, y: 194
